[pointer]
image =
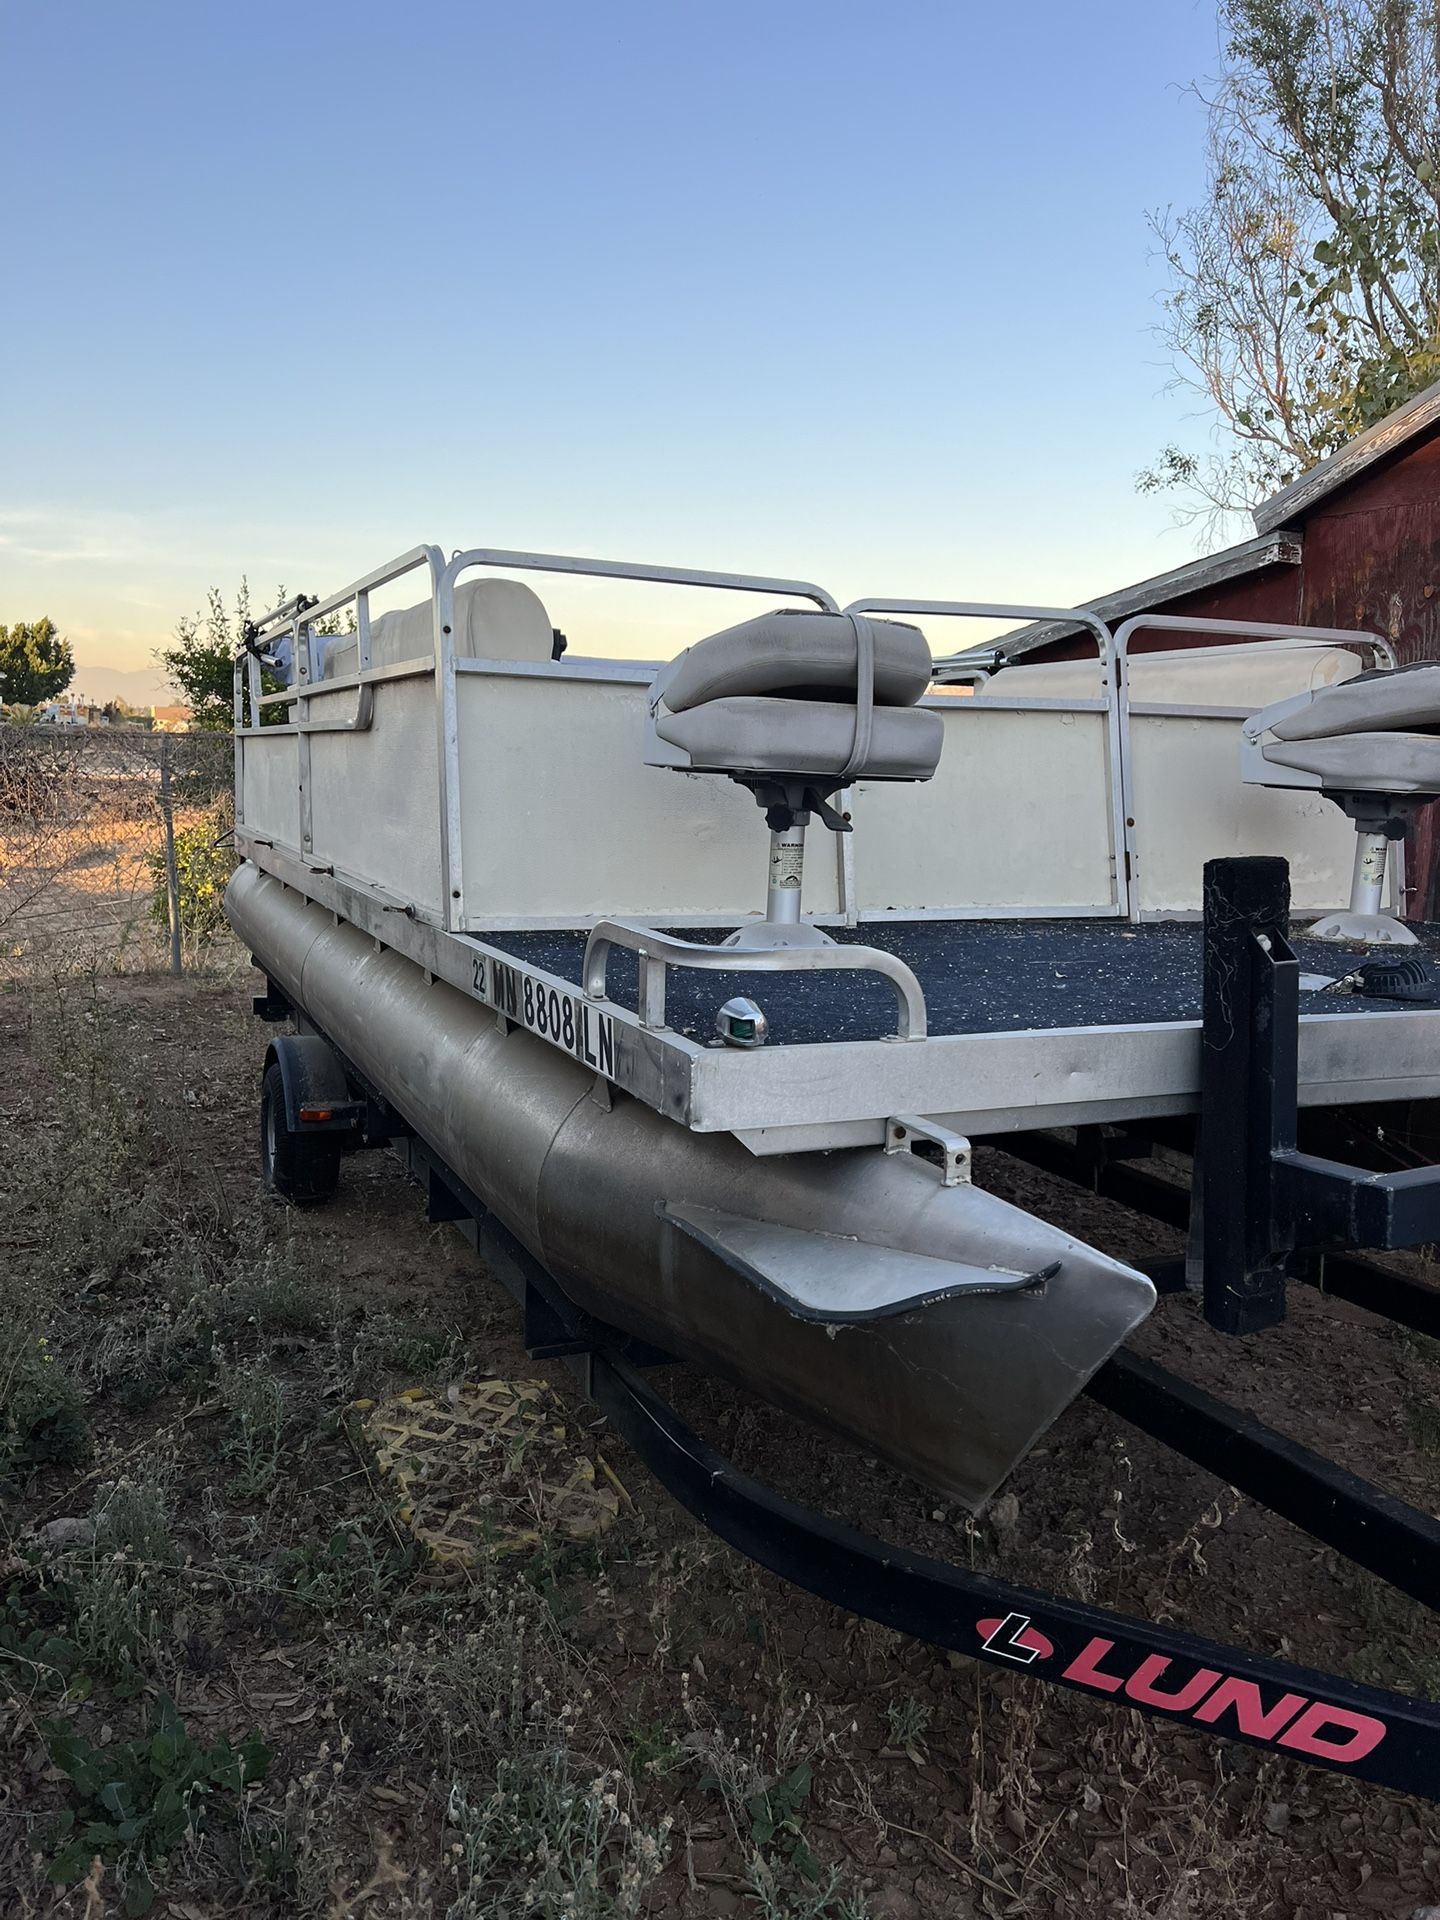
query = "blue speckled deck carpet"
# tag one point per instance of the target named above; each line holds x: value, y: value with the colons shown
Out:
x: 979, y: 976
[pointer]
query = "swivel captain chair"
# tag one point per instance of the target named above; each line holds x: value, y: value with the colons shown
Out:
x: 1372, y: 746
x: 795, y: 705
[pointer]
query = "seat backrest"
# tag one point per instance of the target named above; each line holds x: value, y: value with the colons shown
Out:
x: 494, y: 620
x: 501, y: 620
x: 1402, y: 700
x: 795, y: 654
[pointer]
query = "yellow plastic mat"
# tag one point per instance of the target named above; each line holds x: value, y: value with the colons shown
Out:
x: 492, y: 1466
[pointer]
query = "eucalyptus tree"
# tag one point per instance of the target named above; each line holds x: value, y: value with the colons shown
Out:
x: 1304, y: 289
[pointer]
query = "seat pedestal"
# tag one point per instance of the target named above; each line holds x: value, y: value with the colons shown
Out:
x: 782, y: 925
x: 1363, y: 929
x: 1364, y: 922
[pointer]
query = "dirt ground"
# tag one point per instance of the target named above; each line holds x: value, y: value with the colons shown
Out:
x: 642, y: 1722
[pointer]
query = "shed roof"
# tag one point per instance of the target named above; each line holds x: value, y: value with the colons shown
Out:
x: 1280, y: 548
x: 1388, y: 436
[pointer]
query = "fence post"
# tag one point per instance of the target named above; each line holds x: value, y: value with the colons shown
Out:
x: 172, y: 875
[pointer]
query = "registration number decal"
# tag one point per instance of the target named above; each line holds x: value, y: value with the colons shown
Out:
x: 566, y: 1020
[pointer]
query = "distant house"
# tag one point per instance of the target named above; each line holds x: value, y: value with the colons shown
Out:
x: 172, y: 719
x: 1354, y: 543
x: 71, y: 711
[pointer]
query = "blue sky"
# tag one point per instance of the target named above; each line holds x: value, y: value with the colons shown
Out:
x: 855, y: 292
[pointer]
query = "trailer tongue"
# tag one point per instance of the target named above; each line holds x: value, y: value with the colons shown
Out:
x: 505, y: 898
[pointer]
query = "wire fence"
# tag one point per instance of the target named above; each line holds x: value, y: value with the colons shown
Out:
x: 114, y: 847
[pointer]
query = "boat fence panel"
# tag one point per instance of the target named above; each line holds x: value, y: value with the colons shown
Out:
x: 374, y: 796
x: 1182, y: 713
x: 1016, y: 819
x: 270, y: 798
x: 586, y: 830
x: 561, y: 820
x: 1174, y: 757
x: 365, y: 803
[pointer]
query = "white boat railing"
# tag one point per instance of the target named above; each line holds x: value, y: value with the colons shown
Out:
x: 1112, y: 709
x: 655, y: 951
x: 1275, y: 636
x: 1114, y: 740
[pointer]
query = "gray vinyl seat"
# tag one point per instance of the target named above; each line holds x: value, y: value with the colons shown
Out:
x: 780, y: 695
x: 795, y: 706
x: 1365, y: 762
x: 795, y: 652
x: 1370, y: 745
x: 1378, y: 733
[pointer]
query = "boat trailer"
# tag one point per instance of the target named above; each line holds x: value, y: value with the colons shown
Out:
x: 1286, y: 1217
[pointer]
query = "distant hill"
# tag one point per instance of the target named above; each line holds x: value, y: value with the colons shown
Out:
x: 141, y: 686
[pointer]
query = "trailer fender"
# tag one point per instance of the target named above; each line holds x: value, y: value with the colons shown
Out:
x: 318, y: 1098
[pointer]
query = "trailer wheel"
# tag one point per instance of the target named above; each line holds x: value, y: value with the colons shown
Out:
x: 303, y: 1168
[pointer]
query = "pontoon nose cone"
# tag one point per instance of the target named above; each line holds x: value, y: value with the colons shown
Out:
x: 938, y: 1326
x: 951, y: 1369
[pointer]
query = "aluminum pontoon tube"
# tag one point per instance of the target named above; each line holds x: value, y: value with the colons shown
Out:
x: 852, y: 1287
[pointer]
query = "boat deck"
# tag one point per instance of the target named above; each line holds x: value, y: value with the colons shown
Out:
x: 1030, y: 1023
x: 979, y: 977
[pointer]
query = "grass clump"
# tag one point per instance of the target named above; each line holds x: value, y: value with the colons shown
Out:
x: 777, y: 1899
x: 37, y: 1655
x: 542, y: 1844
x: 90, y: 1175
x: 395, y: 1343
x: 263, y: 1288
x: 764, y: 1780
x: 42, y: 1409
x: 466, y: 1684
x: 136, y: 1801
x: 356, y: 1566
x: 908, y: 1722
x: 117, y: 1586
x: 254, y: 1440
x: 132, y: 1517
x: 651, y: 1752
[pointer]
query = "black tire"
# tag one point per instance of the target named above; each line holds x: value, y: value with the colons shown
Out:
x: 303, y: 1168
